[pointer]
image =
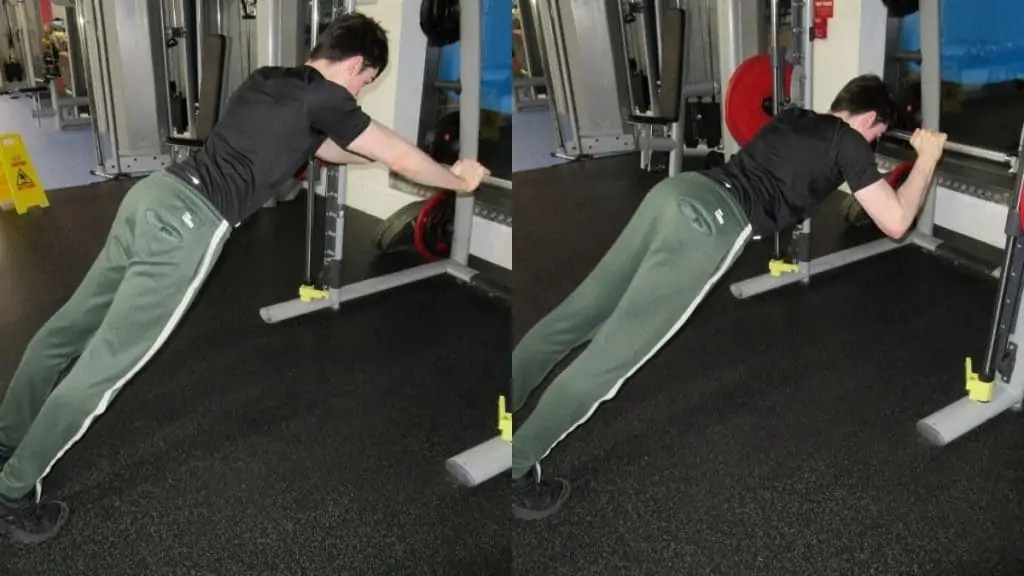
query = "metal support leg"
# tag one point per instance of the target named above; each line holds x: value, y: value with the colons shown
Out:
x: 1000, y: 384
x: 1005, y: 378
x: 494, y: 456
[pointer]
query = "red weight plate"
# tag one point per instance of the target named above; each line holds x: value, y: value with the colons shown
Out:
x: 419, y: 231
x: 749, y: 87
x: 899, y: 174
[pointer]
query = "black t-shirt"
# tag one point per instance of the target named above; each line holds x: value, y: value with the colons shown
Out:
x: 793, y: 164
x: 275, y: 120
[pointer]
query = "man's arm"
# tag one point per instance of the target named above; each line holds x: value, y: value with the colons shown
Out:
x: 894, y: 211
x: 383, y: 145
x: 331, y: 153
x: 337, y: 115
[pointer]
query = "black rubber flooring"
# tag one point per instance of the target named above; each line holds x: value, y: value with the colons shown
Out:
x: 310, y: 447
x: 774, y: 436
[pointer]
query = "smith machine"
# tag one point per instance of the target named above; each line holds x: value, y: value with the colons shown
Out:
x: 326, y: 289
x: 998, y: 387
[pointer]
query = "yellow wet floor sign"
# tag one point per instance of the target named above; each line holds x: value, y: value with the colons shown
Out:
x: 19, y: 182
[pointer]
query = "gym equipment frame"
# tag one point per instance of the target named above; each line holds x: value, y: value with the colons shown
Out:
x: 782, y: 273
x: 999, y: 386
x: 334, y: 293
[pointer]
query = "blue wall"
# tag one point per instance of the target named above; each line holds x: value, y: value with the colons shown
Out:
x: 982, y: 41
x: 496, y: 74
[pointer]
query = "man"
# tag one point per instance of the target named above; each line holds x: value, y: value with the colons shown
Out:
x: 166, y: 237
x: 684, y: 236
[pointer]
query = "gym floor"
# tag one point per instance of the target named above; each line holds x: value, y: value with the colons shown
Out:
x: 771, y: 436
x: 314, y: 446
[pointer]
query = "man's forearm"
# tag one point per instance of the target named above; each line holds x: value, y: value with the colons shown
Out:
x: 915, y: 189
x: 422, y: 169
x: 348, y: 157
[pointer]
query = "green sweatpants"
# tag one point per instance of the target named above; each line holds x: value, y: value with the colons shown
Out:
x: 161, y: 247
x: 686, y: 234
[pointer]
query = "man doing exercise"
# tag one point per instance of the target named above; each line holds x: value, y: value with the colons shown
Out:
x: 684, y: 236
x: 169, y: 231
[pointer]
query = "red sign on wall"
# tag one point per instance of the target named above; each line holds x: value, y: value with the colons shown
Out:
x: 823, y: 9
x: 820, y: 28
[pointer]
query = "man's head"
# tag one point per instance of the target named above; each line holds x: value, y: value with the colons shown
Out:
x: 352, y: 51
x: 866, y: 105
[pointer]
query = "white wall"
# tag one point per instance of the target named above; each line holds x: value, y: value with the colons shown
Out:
x: 394, y: 100
x: 856, y: 45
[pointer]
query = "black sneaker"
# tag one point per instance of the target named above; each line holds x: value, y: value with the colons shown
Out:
x: 534, y: 498
x: 26, y: 522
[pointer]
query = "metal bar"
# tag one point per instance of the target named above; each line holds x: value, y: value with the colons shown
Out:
x: 931, y: 92
x: 766, y: 283
x: 219, y: 15
x: 624, y: 38
x: 777, y: 91
x: 460, y: 271
x: 517, y: 83
x: 562, y: 52
x: 805, y: 58
x: 773, y: 49
x: 1009, y: 283
x: 101, y: 27
x: 650, y: 46
x: 199, y: 6
x: 964, y: 415
x: 185, y: 65
x: 481, y: 462
x: 164, y: 27
x: 659, y: 11
x: 498, y: 183
x: 312, y: 171
x: 471, y: 41
x: 495, y: 182
x: 337, y: 201
x: 965, y: 149
x: 537, y: 22
x: 295, y: 308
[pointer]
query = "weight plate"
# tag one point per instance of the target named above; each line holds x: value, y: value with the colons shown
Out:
x: 432, y: 231
x: 749, y: 87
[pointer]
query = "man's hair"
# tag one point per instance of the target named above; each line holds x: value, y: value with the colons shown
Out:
x: 867, y: 93
x: 352, y: 35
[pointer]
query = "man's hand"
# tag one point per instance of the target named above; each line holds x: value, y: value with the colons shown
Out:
x: 928, y: 144
x: 471, y: 172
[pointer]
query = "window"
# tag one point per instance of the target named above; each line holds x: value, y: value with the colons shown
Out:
x: 982, y: 78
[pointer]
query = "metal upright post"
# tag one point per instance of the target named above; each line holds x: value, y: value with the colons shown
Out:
x: 100, y: 22
x: 469, y: 119
x: 931, y: 94
x: 312, y: 169
x: 777, y: 92
x: 337, y: 200
x: 1000, y: 384
x: 802, y: 92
